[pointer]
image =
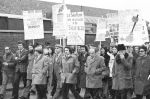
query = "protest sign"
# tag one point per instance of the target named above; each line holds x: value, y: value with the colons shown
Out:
x: 75, y: 28
x: 33, y: 25
x: 59, y: 20
x: 126, y: 22
x: 101, y: 29
x: 112, y: 25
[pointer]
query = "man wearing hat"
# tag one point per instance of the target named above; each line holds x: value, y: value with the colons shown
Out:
x: 7, y: 70
x: 57, y: 65
x: 21, y: 59
x: 121, y: 74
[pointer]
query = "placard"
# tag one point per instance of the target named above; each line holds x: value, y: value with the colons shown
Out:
x: 75, y: 28
x: 59, y: 17
x: 139, y: 35
x: 33, y: 25
x: 101, y: 29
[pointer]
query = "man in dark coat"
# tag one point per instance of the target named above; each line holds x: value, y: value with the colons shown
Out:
x: 21, y: 68
x: 142, y: 74
x: 122, y: 73
x: 82, y: 75
x: 8, y: 69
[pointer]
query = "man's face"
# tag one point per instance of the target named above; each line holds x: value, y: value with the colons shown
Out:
x: 136, y: 49
x: 114, y: 50
x: 35, y: 53
x: 45, y: 51
x: 92, y: 52
x: 20, y: 46
x: 30, y: 48
x: 67, y: 51
x: 83, y: 49
x: 142, y: 52
x: 57, y: 50
x: 102, y: 51
x: 7, y: 51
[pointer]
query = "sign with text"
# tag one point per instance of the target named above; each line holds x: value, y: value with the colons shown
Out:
x: 128, y: 37
x: 59, y: 17
x: 101, y: 29
x: 75, y: 28
x: 112, y: 25
x: 33, y: 25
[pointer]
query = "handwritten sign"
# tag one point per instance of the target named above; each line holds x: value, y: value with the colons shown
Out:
x: 33, y: 25
x: 139, y: 35
x: 59, y: 20
x: 101, y: 29
x: 75, y: 28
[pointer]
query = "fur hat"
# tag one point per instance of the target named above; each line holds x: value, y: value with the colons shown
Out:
x: 121, y: 47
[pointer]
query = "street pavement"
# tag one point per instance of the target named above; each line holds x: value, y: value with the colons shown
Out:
x: 8, y: 95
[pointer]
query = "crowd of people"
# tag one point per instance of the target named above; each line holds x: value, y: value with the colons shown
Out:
x: 117, y: 72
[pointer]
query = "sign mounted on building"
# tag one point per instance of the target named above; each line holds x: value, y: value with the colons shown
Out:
x: 75, y: 28
x: 33, y: 25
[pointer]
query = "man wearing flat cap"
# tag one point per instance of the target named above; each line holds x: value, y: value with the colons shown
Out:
x: 57, y: 65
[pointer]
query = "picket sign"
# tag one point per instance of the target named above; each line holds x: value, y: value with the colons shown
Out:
x: 75, y: 28
x: 33, y: 25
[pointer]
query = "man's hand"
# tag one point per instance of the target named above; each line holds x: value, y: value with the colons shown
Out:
x: 16, y: 58
x: 121, y: 56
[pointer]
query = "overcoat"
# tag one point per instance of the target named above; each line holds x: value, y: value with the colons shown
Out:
x: 82, y: 75
x: 70, y: 68
x: 57, y: 66
x: 39, y: 71
x: 94, y: 68
x: 142, y: 84
x: 122, y: 73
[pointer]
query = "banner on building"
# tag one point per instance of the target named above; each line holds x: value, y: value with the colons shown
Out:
x: 139, y: 35
x: 75, y: 28
x: 101, y: 29
x: 59, y: 16
x: 33, y: 25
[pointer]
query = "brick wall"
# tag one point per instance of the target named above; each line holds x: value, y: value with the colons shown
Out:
x: 11, y: 39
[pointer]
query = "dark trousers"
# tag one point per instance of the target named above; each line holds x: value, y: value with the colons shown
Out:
x: 94, y: 92
x: 141, y: 97
x: 41, y: 91
x: 111, y: 92
x: 65, y: 91
x: 26, y: 91
x: 123, y: 94
x: 7, y: 76
x: 18, y: 76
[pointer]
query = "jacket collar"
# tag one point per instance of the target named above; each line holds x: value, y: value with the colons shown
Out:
x: 38, y: 58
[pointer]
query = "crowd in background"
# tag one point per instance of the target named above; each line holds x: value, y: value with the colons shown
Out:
x: 117, y: 72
